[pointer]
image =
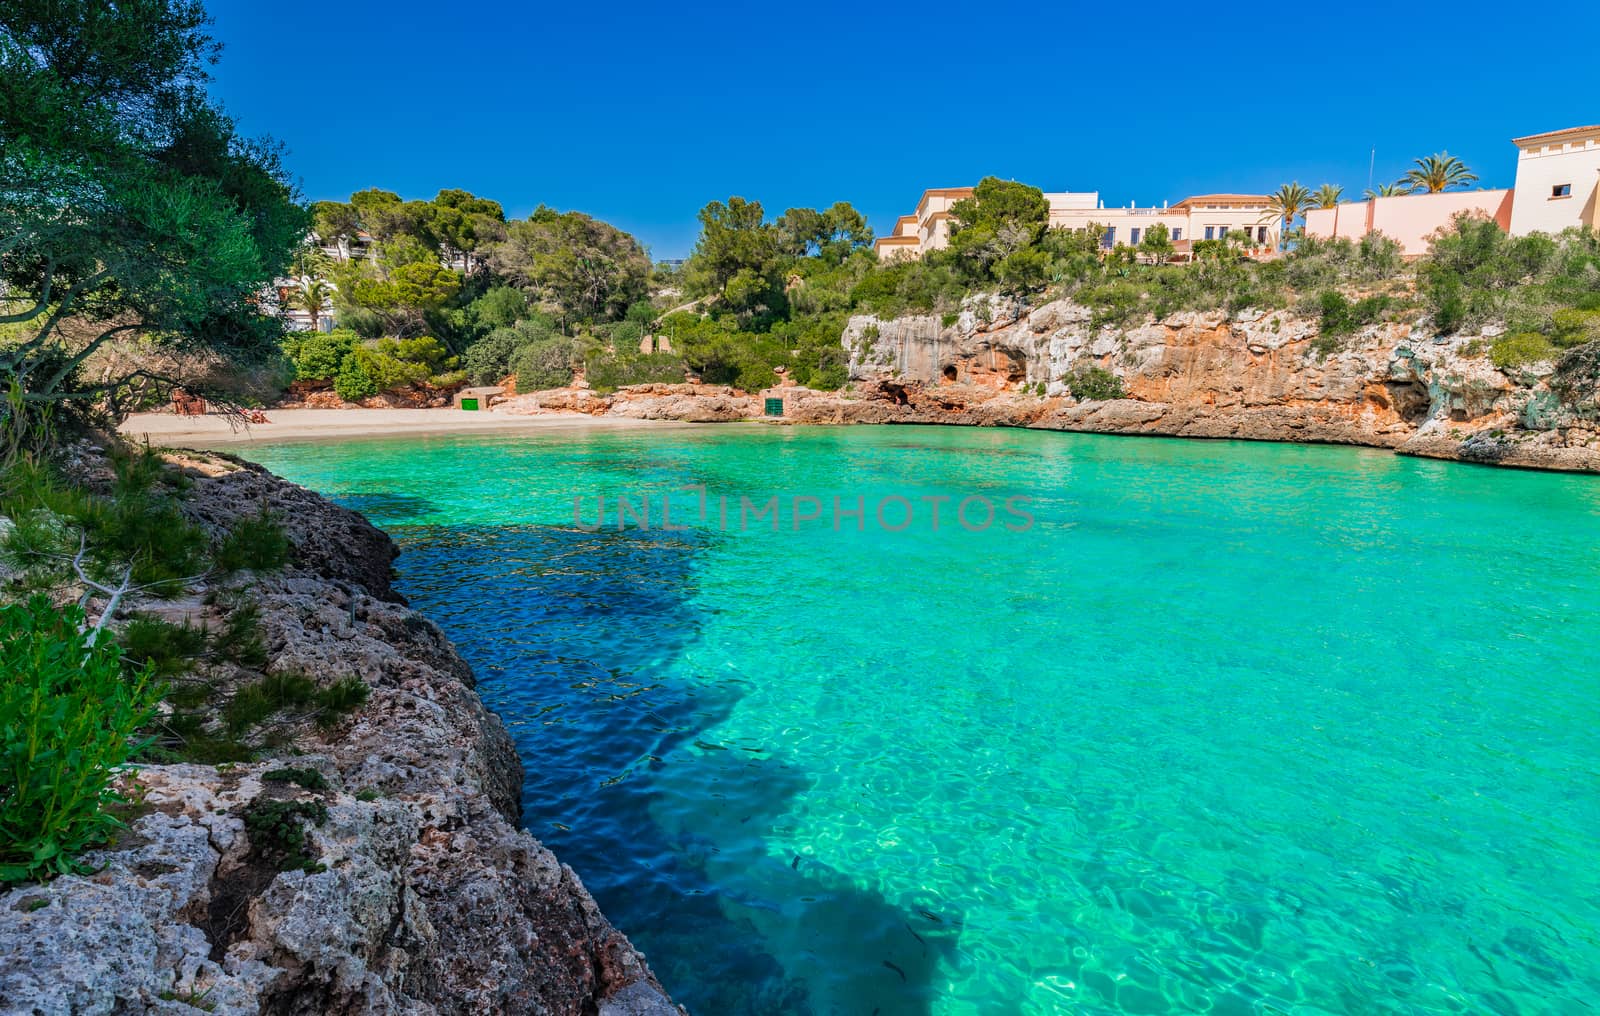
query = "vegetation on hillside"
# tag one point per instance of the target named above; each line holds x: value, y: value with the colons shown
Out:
x: 765, y: 297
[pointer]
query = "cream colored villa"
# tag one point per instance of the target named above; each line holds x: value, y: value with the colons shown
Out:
x: 927, y: 229
x: 1557, y: 187
x: 1558, y: 181
x: 1203, y: 217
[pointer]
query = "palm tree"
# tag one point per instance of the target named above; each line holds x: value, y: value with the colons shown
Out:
x: 1328, y: 195
x: 313, y: 295
x: 1389, y: 190
x: 1287, y: 204
x: 1439, y: 173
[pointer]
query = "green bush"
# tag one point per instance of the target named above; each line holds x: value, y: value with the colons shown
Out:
x: 1094, y: 384
x: 1339, y: 317
x: 1511, y: 351
x: 827, y: 372
x: 488, y: 360
x: 1115, y: 302
x: 318, y: 356
x: 363, y: 369
x: 169, y: 649
x: 1575, y: 327
x: 255, y: 543
x: 263, y: 700
x: 607, y: 371
x: 259, y: 701
x: 353, y: 382
x: 547, y: 363
x: 67, y: 722
x: 240, y: 640
x: 339, y: 699
x: 136, y: 528
x: 310, y: 779
x: 278, y: 833
x: 152, y: 535
x: 499, y: 307
x: 1476, y: 274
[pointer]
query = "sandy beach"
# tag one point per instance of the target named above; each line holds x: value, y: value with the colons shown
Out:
x: 344, y: 424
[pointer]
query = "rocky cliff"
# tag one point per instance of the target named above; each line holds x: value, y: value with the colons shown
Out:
x: 1255, y: 375
x: 420, y: 894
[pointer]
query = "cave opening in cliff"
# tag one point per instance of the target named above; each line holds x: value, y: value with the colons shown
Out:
x: 1410, y: 399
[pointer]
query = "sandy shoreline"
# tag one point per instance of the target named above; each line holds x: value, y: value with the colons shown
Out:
x: 345, y: 424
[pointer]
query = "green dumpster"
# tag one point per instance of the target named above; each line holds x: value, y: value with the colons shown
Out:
x: 774, y: 407
x: 469, y: 404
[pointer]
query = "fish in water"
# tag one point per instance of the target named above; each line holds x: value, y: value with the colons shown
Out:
x: 795, y: 864
x: 918, y: 938
x: 897, y: 970
x: 935, y: 918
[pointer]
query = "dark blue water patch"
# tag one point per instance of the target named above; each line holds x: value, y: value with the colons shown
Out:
x: 387, y: 508
x: 576, y: 639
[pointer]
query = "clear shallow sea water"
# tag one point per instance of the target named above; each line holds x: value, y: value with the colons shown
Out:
x: 1233, y: 728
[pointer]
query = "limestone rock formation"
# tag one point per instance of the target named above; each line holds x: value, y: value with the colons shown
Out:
x: 422, y: 895
x: 1254, y: 375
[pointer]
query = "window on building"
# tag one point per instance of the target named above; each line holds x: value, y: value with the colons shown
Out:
x: 1211, y: 232
x: 1133, y: 236
x: 1561, y: 190
x: 1261, y: 234
x: 1109, y: 240
x: 1177, y: 234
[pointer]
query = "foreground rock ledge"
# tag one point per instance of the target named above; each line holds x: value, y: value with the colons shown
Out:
x: 432, y: 901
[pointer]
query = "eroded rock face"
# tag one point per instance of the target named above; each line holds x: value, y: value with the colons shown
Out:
x: 426, y: 896
x: 1255, y: 375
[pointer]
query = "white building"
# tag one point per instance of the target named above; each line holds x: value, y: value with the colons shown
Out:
x: 1558, y: 181
x: 1203, y: 217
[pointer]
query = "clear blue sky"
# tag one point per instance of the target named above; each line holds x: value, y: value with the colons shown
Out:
x: 641, y: 113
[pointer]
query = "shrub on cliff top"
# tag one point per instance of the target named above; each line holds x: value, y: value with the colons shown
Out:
x: 1511, y: 351
x: 67, y: 722
x: 1573, y: 326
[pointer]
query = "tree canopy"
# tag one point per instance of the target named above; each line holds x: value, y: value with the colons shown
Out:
x: 1001, y: 219
x: 573, y: 264
x: 1438, y: 173
x: 129, y: 206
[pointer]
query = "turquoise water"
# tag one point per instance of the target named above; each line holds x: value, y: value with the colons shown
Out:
x: 1232, y: 728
